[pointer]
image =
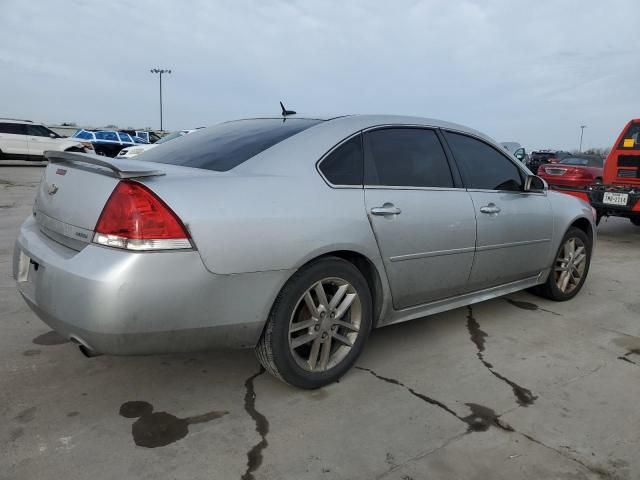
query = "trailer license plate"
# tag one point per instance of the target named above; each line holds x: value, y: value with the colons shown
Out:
x: 615, y: 198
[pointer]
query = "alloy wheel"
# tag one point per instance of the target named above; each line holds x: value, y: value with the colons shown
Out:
x: 325, y: 324
x: 570, y: 264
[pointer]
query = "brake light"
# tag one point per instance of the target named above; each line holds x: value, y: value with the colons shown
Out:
x: 135, y: 218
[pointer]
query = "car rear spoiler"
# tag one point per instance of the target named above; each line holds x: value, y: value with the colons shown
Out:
x: 122, y: 168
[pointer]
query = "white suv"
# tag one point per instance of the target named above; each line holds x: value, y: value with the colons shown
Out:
x: 25, y: 140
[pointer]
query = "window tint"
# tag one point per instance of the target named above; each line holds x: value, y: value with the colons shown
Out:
x: 483, y: 166
x: 13, y: 128
x: 38, y: 131
x: 107, y: 136
x: 84, y: 135
x: 343, y: 166
x: 410, y: 157
x: 227, y: 145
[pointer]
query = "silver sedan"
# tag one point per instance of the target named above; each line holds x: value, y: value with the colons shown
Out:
x: 293, y: 236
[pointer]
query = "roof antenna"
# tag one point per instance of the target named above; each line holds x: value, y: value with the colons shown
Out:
x: 286, y: 112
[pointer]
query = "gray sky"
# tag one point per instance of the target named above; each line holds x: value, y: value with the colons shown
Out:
x: 527, y: 71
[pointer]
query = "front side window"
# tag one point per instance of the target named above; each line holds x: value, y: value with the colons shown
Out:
x: 13, y: 128
x: 344, y: 166
x: 483, y: 166
x: 405, y: 157
x: 124, y: 137
x: 39, y: 131
x: 631, y: 138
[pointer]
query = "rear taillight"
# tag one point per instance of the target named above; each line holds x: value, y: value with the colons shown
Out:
x: 135, y: 218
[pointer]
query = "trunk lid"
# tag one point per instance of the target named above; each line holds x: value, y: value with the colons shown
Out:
x: 74, y: 189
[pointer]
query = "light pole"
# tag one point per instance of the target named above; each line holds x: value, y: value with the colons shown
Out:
x: 582, y: 127
x: 160, y: 71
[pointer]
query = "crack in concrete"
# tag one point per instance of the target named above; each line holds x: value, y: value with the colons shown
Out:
x: 480, y: 419
x: 523, y: 395
x: 601, y: 472
x: 254, y: 455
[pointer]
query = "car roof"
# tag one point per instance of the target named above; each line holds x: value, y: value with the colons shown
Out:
x: 357, y: 122
x: 14, y: 120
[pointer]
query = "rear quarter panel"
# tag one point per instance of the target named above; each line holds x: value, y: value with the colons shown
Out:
x: 566, y: 210
x: 252, y: 223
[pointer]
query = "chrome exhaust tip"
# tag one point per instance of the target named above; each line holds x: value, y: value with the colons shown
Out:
x: 85, y: 349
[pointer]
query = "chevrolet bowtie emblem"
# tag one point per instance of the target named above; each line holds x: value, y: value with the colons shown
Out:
x: 53, y: 188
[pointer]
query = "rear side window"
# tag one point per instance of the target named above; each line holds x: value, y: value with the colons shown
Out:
x: 111, y: 136
x: 344, y: 166
x: 227, y: 145
x: 405, y: 157
x: 13, y: 128
x: 483, y: 166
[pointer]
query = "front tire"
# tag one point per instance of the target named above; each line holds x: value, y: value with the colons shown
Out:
x: 570, y: 267
x: 318, y: 324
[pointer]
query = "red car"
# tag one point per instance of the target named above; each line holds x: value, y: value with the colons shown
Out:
x: 576, y: 171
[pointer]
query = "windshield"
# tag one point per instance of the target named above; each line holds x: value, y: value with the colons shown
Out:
x: 631, y: 138
x: 229, y: 144
x: 171, y: 136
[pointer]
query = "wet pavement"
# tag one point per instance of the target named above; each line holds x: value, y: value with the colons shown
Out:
x: 518, y: 387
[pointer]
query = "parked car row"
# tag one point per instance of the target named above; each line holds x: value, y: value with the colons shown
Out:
x: 129, y: 152
x: 108, y: 142
x: 26, y: 140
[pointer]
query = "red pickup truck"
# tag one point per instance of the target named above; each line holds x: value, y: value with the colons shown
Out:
x: 619, y: 194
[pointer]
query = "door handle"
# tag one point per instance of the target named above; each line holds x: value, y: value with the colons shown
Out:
x: 386, y: 209
x: 491, y: 208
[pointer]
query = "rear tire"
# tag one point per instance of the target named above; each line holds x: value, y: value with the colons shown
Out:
x: 597, y: 181
x: 301, y: 345
x: 570, y: 267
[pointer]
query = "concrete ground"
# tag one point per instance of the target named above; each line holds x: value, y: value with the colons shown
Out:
x: 517, y: 387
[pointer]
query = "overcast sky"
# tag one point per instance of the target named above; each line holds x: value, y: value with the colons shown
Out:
x: 527, y: 71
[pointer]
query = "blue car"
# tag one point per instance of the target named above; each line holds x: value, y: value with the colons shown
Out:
x: 108, y: 142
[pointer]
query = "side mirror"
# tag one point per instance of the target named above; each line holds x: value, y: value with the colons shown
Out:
x: 519, y: 154
x: 53, y: 135
x: 533, y: 183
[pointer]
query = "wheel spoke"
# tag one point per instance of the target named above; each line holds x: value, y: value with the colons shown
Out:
x: 295, y: 327
x: 564, y: 280
x: 308, y: 300
x: 348, y: 325
x: 337, y: 298
x: 579, y: 259
x: 344, y: 306
x: 342, y: 339
x: 322, y: 296
x: 325, y: 353
x: 303, y: 340
x: 313, y: 354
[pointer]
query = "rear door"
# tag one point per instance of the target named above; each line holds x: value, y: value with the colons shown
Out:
x: 13, y: 139
x: 424, y: 222
x: 514, y: 227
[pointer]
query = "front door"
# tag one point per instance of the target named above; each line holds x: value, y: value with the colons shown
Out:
x: 40, y: 140
x: 424, y: 225
x: 514, y: 227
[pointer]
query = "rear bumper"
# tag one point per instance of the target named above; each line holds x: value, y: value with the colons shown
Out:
x: 631, y: 209
x: 123, y: 303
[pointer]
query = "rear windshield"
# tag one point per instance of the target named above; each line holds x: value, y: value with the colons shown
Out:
x: 631, y: 138
x: 542, y: 156
x: 586, y: 161
x: 227, y: 145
